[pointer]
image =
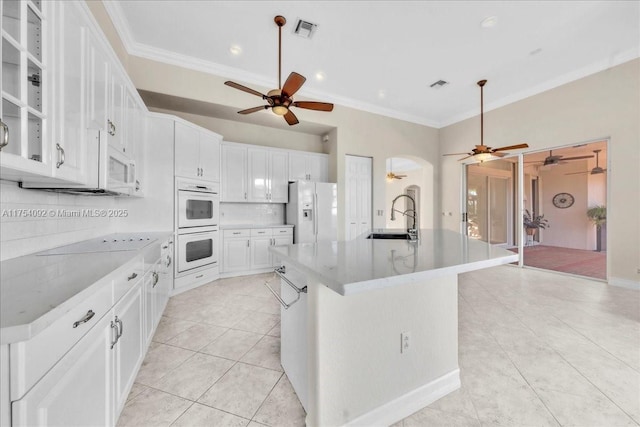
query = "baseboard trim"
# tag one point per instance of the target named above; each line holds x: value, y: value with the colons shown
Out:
x: 625, y: 283
x: 405, y: 405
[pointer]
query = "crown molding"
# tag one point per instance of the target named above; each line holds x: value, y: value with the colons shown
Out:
x: 593, y: 68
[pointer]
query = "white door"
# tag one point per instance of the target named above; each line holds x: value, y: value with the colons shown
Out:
x: 77, y: 391
x: 236, y: 254
x: 326, y: 212
x: 358, y: 197
x: 260, y: 256
x: 129, y: 349
x: 187, y: 149
x: 258, y: 175
x: 234, y: 174
x: 298, y: 167
x: 68, y: 145
x: 279, y: 177
x: 209, y: 157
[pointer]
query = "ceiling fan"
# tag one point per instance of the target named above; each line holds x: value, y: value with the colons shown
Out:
x: 280, y: 100
x: 556, y: 160
x: 596, y: 170
x: 390, y: 175
x: 482, y: 152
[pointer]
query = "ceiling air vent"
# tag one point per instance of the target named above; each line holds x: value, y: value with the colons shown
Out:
x: 305, y: 29
x: 439, y: 84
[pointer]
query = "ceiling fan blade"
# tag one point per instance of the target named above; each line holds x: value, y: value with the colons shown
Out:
x: 577, y: 173
x: 291, y: 118
x: 455, y: 154
x: 511, y: 147
x: 577, y: 158
x: 498, y: 154
x: 311, y: 105
x: 244, y: 88
x: 253, y: 110
x: 293, y: 83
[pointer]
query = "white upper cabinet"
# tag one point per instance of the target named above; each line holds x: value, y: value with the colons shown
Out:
x: 258, y: 175
x: 279, y: 177
x: 234, y: 173
x: 70, y: 83
x: 308, y: 167
x: 197, y: 153
x: 99, y: 84
x: 26, y: 90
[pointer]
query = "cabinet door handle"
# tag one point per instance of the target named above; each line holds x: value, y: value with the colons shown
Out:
x: 113, y: 126
x: 168, y: 260
x: 155, y: 279
x: 120, y: 328
x: 61, y: 151
x: 247, y: 243
x: 137, y: 185
x: 133, y: 276
x: 5, y: 137
x: 114, y: 326
x: 84, y: 319
x: 245, y: 196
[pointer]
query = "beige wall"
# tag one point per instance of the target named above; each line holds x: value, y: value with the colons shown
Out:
x: 605, y: 104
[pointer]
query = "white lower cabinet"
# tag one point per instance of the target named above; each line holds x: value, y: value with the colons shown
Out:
x: 78, y: 391
x: 128, y: 349
x: 89, y: 384
x: 247, y: 250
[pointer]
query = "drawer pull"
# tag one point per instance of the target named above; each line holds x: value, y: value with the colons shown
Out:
x: 85, y: 319
x: 283, y: 231
x: 133, y: 276
x: 237, y: 232
x: 199, y: 276
x: 165, y: 246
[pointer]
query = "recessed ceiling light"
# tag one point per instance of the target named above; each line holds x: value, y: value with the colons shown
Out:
x: 489, y: 22
x: 320, y: 76
x: 235, y: 50
x: 382, y: 94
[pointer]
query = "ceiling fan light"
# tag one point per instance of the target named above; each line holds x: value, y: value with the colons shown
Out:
x: 390, y: 177
x: 483, y: 156
x: 280, y: 110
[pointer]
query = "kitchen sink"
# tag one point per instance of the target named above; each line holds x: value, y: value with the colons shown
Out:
x: 394, y: 236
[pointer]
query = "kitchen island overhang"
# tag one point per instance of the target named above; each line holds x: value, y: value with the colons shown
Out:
x: 342, y: 343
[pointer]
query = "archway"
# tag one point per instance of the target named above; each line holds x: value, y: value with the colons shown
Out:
x: 416, y: 179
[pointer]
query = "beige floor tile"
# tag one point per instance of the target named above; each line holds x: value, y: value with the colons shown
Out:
x: 197, y: 336
x: 266, y: 354
x: 160, y: 360
x: 153, y: 408
x: 260, y: 323
x: 282, y: 407
x: 225, y: 317
x: 233, y: 344
x: 458, y: 402
x: 275, y: 331
x: 191, y: 379
x: 136, y: 389
x: 169, y: 327
x: 241, y: 390
x: 204, y: 416
x: 584, y: 410
x: 434, y: 417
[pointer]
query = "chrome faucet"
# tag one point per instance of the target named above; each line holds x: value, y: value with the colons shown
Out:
x: 413, y: 232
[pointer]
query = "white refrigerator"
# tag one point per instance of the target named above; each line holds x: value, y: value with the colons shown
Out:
x: 313, y: 211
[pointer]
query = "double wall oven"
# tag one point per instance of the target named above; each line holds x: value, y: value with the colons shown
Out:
x: 198, y: 218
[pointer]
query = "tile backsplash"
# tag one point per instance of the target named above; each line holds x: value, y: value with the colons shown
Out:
x: 251, y: 213
x: 34, y: 220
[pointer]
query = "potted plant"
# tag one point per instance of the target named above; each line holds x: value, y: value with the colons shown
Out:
x: 533, y: 222
x: 598, y: 216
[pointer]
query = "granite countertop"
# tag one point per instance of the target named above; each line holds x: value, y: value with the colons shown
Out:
x: 241, y: 226
x: 37, y: 289
x: 361, y: 265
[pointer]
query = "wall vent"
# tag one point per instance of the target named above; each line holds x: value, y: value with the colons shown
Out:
x: 305, y: 29
x: 438, y: 84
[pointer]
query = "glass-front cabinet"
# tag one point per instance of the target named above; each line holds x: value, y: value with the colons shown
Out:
x: 25, y: 87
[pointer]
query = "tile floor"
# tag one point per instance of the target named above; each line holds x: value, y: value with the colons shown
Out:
x: 535, y: 349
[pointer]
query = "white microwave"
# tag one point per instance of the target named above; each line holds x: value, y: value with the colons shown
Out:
x: 109, y: 172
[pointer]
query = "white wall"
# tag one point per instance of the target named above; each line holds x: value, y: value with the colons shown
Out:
x: 569, y: 227
x: 605, y: 104
x: 22, y: 234
x: 398, y: 186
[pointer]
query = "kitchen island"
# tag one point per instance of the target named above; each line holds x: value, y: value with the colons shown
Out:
x: 374, y: 335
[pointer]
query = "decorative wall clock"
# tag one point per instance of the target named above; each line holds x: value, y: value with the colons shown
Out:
x: 563, y: 200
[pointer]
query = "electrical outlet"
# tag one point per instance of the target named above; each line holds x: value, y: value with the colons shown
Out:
x: 405, y: 342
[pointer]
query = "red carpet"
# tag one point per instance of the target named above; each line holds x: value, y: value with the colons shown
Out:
x: 574, y: 261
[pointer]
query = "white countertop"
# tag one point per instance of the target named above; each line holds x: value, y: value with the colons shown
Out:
x: 37, y: 289
x: 361, y: 265
x: 245, y: 226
